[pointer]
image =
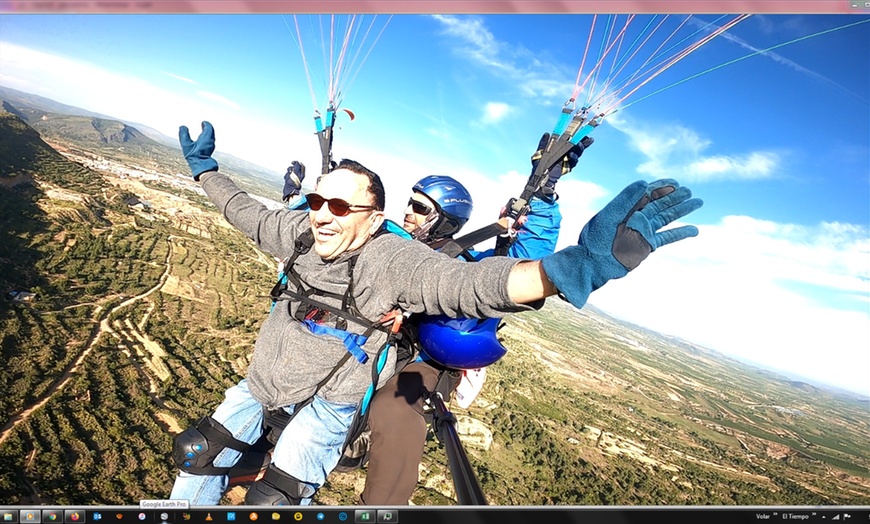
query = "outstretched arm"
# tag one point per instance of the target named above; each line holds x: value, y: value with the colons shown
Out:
x: 274, y: 231
x: 613, y: 243
x: 528, y: 282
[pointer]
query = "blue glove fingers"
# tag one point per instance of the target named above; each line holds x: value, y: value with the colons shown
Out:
x: 642, y: 226
x: 675, y: 212
x: 654, y: 207
x: 207, y: 130
x: 662, y: 187
x: 198, y: 153
x: 662, y: 182
x: 205, y: 141
x: 184, y: 140
x: 625, y: 201
x: 670, y: 236
x: 654, y: 191
x: 601, y: 228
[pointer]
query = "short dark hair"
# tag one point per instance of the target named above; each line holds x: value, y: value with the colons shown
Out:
x: 376, y: 187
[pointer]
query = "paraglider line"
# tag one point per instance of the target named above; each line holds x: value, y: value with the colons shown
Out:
x: 696, y: 75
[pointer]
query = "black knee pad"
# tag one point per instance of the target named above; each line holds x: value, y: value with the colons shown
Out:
x: 195, y: 449
x: 277, y: 488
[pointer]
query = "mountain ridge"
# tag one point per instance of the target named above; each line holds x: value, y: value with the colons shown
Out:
x: 143, y: 145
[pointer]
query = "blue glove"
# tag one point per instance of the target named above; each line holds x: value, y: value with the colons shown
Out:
x: 198, y: 154
x: 293, y: 179
x: 620, y: 237
x: 563, y: 166
x: 658, y: 189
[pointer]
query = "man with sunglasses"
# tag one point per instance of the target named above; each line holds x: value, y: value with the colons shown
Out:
x: 300, y: 365
x: 438, y: 207
x: 322, y: 374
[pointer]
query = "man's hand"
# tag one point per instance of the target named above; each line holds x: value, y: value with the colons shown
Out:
x: 198, y: 154
x: 620, y: 237
x: 293, y: 180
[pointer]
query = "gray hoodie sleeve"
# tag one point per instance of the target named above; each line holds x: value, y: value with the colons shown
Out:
x: 421, y: 280
x: 274, y: 231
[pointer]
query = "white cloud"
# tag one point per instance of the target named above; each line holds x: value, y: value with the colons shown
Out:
x: 786, y: 296
x: 494, y: 112
x: 179, y: 77
x: 214, y: 97
x: 681, y: 155
x: 755, y: 165
x: 482, y: 45
x: 441, y: 134
x: 135, y: 99
x: 533, y: 77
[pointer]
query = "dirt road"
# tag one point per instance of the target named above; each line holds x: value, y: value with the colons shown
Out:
x: 7, y: 429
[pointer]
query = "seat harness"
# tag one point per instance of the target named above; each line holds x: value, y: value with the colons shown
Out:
x: 318, y: 314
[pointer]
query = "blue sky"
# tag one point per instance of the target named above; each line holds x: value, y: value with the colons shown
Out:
x: 777, y: 145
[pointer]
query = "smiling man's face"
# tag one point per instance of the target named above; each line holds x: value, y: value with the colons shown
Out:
x: 334, y: 234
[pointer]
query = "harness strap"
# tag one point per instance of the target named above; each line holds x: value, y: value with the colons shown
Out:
x: 352, y: 342
x: 348, y: 311
x: 347, y: 302
x: 456, y: 246
x: 300, y: 247
x: 326, y: 307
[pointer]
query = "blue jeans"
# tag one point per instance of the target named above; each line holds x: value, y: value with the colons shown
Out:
x: 308, y: 449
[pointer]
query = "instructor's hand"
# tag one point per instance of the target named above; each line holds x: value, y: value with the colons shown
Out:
x: 293, y: 180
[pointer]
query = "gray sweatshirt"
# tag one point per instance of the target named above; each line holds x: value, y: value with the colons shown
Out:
x: 289, y: 361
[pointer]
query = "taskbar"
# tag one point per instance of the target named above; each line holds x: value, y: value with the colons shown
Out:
x: 179, y: 512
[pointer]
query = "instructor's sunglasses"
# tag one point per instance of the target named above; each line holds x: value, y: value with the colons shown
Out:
x: 337, y: 206
x: 419, y: 207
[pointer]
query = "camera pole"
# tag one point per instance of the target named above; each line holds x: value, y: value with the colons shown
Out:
x: 468, y: 491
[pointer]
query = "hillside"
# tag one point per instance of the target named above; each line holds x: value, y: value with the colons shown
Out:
x: 78, y: 129
x: 146, y: 304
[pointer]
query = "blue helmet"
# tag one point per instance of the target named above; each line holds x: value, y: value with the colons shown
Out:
x: 460, y: 343
x: 452, y: 200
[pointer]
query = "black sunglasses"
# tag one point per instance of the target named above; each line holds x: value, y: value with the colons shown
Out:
x: 337, y: 206
x: 419, y: 207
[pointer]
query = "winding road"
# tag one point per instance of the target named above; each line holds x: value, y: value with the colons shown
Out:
x: 7, y: 429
